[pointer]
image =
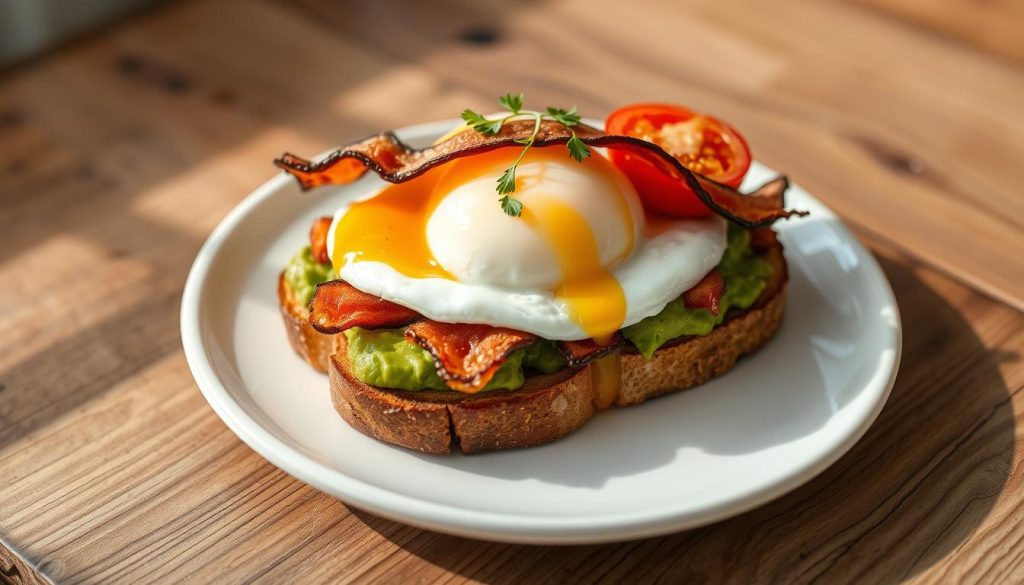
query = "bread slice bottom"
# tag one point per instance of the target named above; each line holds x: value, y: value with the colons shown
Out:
x: 547, y: 407
x: 311, y: 345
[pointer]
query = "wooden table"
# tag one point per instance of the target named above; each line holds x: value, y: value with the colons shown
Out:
x: 121, y: 151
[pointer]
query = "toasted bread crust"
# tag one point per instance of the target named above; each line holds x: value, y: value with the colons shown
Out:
x: 698, y: 359
x: 544, y: 409
x: 311, y: 345
x: 547, y: 407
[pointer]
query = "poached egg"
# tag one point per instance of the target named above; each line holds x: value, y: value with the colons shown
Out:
x: 582, y: 261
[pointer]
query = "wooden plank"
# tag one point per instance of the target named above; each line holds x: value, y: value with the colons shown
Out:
x: 996, y: 25
x: 119, y: 154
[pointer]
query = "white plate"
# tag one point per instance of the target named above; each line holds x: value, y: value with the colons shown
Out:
x: 780, y: 417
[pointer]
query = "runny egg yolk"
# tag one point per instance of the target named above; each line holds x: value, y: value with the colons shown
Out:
x: 389, y: 227
x: 578, y: 221
x: 595, y: 298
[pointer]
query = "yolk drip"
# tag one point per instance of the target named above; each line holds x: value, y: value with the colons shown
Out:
x: 595, y: 298
x: 606, y: 380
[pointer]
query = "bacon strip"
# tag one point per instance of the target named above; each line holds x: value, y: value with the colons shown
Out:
x: 397, y: 162
x: 775, y: 188
x: 706, y: 294
x: 764, y: 238
x: 467, y: 356
x: 337, y: 306
x: 578, y: 353
x: 318, y: 239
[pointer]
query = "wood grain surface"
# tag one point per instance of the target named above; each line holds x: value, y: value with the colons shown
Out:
x: 121, y: 151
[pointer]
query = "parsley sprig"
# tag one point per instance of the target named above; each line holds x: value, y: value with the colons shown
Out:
x: 513, y: 104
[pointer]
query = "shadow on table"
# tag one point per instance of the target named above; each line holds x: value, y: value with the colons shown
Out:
x: 914, y: 488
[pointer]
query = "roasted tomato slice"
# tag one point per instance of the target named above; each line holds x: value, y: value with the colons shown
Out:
x: 703, y: 144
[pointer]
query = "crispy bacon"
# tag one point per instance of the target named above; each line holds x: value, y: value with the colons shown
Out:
x: 706, y: 294
x: 763, y: 239
x: 773, y: 189
x: 318, y: 239
x: 397, y: 162
x: 579, y: 352
x: 467, y: 356
x: 337, y: 306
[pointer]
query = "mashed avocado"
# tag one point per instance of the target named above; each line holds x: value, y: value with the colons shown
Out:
x: 744, y: 275
x: 384, y: 358
x: 543, y: 357
x: 303, y: 274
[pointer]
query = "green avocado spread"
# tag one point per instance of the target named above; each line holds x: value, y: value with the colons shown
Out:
x: 384, y: 358
x: 303, y: 274
x: 744, y: 275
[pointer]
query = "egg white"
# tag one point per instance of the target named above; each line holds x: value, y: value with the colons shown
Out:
x: 660, y: 269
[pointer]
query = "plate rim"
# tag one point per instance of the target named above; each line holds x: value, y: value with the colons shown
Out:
x: 474, y: 523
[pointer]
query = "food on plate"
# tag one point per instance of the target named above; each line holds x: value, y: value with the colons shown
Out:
x: 528, y: 270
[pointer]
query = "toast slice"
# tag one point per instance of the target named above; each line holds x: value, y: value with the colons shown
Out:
x: 548, y: 406
x: 311, y: 345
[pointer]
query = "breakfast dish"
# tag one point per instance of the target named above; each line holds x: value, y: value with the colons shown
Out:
x: 609, y: 267
x: 776, y: 420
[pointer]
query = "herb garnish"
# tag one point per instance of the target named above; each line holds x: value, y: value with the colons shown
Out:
x: 513, y: 103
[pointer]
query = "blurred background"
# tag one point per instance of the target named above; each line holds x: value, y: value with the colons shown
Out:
x: 29, y: 26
